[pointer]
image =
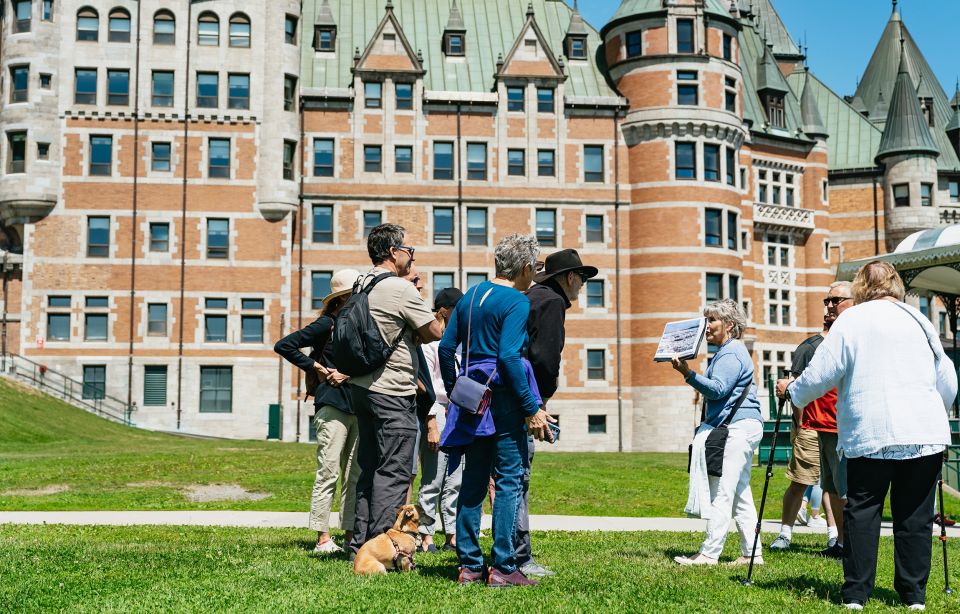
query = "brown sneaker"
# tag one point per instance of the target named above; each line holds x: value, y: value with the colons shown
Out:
x: 468, y: 576
x: 498, y: 579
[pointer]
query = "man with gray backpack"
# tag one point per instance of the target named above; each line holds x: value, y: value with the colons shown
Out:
x: 374, y: 342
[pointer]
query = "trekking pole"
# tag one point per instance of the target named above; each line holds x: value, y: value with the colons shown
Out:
x: 766, y: 482
x: 943, y: 535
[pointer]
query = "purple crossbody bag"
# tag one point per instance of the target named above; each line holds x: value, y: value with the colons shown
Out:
x: 468, y: 394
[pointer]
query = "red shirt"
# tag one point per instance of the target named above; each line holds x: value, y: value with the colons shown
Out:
x: 821, y: 415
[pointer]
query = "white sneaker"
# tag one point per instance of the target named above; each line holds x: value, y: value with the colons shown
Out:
x: 917, y: 606
x: 327, y: 547
x: 697, y: 559
x: 831, y: 542
x: 853, y: 605
x: 818, y: 522
x: 781, y: 543
x: 802, y: 516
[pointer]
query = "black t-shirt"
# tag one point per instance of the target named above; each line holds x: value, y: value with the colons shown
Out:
x: 804, y: 354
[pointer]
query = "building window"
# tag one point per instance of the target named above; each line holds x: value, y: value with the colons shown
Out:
x: 218, y: 238
x: 58, y: 322
x: 443, y: 161
x: 208, y: 90
x: 159, y: 237
x: 546, y: 227
x: 219, y: 162
x: 596, y: 365
x: 47, y: 10
x: 789, y: 194
x: 941, y: 323
x: 475, y: 278
x: 778, y: 306
x: 208, y: 30
x: 325, y: 38
x: 731, y: 166
x: 289, y: 156
x: 686, y: 161
x: 516, y: 162
x: 88, y: 24
x: 94, y: 382
x: 45, y: 80
x: 441, y: 281
x: 162, y: 88
x: 443, y: 225
x: 95, y: 322
x: 216, y: 389
x: 20, y: 80
x: 323, y: 224
x: 323, y: 157
x: 730, y: 95
x: 714, y: 287
x: 43, y: 151
x: 215, y: 322
x: 926, y: 195
x: 901, y: 195
x: 160, y: 157
x: 240, y: 31
x: 687, y: 92
x: 545, y: 100
x: 238, y: 87
x: 775, y: 365
x: 403, y: 159
x: 157, y: 319
x: 155, y: 385
x: 477, y: 161
x: 404, y: 94
x: 593, y: 163
x: 251, y: 320
x: 775, y: 112
x: 289, y: 93
x: 546, y: 163
x: 732, y: 228
x: 577, y: 47
x: 634, y: 44
x: 515, y: 99
x: 925, y: 306
x: 101, y: 155
x: 85, y: 86
x: 118, y: 87
x: 23, y: 9
x: 685, y: 36
x: 164, y: 28
x: 728, y: 47
x: 594, y: 226
x: 711, y: 162
x: 733, y: 287
x: 17, y: 158
x: 290, y: 29
x: 118, y: 26
x: 597, y: 424
x: 373, y: 94
x: 372, y: 158
x: 371, y: 219
x: 954, y: 187
x: 476, y: 226
x: 453, y: 44
x: 594, y: 293
x: 713, y: 232
x: 319, y: 287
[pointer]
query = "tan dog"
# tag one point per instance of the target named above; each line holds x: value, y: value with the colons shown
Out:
x: 393, y: 549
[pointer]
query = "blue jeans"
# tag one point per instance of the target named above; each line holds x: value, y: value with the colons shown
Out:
x: 503, y: 455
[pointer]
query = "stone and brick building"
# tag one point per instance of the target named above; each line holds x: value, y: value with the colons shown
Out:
x: 180, y: 180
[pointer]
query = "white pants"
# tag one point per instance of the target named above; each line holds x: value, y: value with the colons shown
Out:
x: 730, y: 494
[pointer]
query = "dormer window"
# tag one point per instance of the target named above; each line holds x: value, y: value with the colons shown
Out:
x: 325, y: 38
x: 577, y: 47
x: 453, y: 44
x: 773, y: 104
x: 926, y: 105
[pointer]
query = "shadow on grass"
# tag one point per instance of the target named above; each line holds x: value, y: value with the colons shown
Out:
x: 825, y: 589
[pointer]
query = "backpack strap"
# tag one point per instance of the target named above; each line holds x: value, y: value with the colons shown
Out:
x: 740, y: 400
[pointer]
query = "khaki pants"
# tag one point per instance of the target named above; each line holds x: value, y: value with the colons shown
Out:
x: 336, y: 457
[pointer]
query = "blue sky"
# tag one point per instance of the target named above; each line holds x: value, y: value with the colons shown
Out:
x: 841, y: 34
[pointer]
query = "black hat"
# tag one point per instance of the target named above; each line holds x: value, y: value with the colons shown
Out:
x: 448, y: 297
x: 564, y: 261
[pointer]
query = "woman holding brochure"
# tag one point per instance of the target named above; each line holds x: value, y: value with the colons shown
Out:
x: 730, y: 399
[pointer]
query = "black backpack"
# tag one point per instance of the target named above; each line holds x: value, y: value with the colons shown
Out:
x: 357, y: 348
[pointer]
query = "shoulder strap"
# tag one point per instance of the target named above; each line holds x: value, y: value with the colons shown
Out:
x: 740, y: 400
x: 376, y: 279
x: 473, y: 297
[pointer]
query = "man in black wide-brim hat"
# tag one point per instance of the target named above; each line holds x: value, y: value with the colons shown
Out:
x: 558, y: 284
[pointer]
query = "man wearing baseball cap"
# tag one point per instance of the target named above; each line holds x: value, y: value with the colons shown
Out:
x: 557, y: 286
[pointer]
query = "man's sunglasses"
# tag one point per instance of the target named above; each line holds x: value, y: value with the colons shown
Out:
x: 406, y: 248
x: 834, y: 300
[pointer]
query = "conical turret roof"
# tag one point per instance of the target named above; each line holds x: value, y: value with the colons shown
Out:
x: 809, y: 113
x: 955, y: 104
x: 906, y: 130
x: 325, y: 15
x: 769, y: 77
x: 455, y: 21
x: 577, y: 25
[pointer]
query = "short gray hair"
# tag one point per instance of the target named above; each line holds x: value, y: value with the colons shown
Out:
x: 381, y: 239
x: 730, y: 312
x: 842, y: 284
x: 515, y: 252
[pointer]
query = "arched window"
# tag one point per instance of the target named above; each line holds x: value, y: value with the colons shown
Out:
x: 164, y: 28
x: 119, y: 26
x: 208, y: 30
x: 239, y: 30
x: 88, y: 24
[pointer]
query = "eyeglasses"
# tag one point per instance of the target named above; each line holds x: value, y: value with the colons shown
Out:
x: 538, y: 266
x: 834, y: 300
x: 407, y: 249
x: 583, y: 276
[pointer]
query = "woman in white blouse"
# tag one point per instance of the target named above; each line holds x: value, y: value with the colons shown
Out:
x: 895, y: 385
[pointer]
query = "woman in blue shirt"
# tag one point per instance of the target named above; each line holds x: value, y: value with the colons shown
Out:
x: 728, y: 375
x: 497, y: 337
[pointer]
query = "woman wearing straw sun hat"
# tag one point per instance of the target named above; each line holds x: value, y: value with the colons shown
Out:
x: 335, y: 423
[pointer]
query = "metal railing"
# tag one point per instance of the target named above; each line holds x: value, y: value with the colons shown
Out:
x: 951, y: 468
x: 89, y: 396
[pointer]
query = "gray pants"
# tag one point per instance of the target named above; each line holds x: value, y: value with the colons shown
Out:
x: 521, y: 539
x: 437, y: 487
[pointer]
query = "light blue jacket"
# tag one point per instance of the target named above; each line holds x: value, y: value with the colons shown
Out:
x: 730, y: 370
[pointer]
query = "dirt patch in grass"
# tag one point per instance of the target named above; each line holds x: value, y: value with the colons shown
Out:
x: 52, y: 489
x: 151, y: 484
x: 201, y: 493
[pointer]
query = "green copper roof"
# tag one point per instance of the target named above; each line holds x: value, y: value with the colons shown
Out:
x: 492, y: 27
x: 769, y: 76
x: 772, y: 27
x: 906, y: 130
x: 853, y: 141
x: 752, y: 49
x: 809, y: 113
x: 630, y: 8
x: 881, y: 74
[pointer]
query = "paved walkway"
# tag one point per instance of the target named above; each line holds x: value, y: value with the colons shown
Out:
x: 299, y: 520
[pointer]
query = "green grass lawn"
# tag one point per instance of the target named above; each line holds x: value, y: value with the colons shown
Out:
x: 106, y: 569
